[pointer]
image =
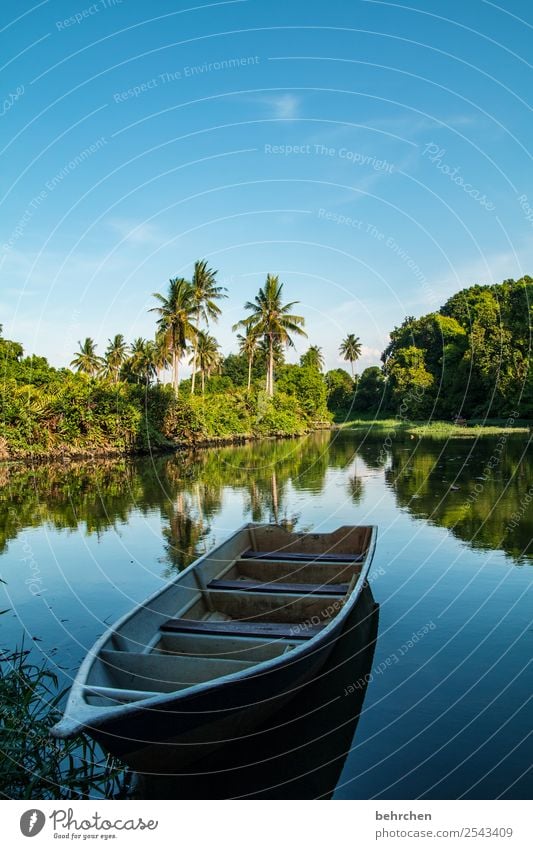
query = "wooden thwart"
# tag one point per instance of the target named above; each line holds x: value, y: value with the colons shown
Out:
x: 298, y: 556
x: 236, y: 628
x: 280, y: 587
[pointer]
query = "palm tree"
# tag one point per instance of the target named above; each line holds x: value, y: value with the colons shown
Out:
x: 313, y: 358
x: 142, y: 360
x: 86, y: 359
x: 205, y: 294
x: 274, y: 321
x: 161, y: 354
x: 350, y: 349
x: 115, y: 357
x: 247, y: 347
x: 174, y: 322
x: 207, y: 356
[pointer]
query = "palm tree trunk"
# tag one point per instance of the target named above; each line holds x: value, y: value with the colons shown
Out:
x: 250, y: 360
x: 175, y: 382
x: 195, y: 352
x: 270, y: 390
x: 353, y: 373
x: 203, y: 382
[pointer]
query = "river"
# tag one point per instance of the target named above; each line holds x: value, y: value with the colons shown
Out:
x: 441, y: 706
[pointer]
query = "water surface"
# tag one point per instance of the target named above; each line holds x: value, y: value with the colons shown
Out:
x: 446, y: 712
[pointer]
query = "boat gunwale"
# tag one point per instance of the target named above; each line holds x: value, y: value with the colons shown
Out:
x: 94, y: 717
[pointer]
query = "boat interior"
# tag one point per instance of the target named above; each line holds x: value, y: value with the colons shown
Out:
x: 256, y: 597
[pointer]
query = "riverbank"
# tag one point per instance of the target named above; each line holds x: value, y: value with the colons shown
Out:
x: 85, y: 418
x: 367, y: 427
x: 68, y: 454
x: 474, y: 428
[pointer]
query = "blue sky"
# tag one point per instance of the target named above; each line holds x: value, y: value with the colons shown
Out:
x: 373, y: 154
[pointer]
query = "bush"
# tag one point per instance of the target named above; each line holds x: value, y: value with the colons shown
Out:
x: 33, y: 764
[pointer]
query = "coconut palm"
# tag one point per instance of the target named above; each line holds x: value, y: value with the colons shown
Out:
x: 272, y: 320
x: 313, y: 358
x: 207, y: 356
x: 141, y: 363
x: 247, y: 347
x: 174, y: 322
x: 86, y: 359
x: 162, y: 358
x: 114, y: 357
x: 350, y: 349
x: 205, y: 294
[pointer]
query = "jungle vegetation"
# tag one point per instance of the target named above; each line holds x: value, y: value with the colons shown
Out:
x: 471, y: 359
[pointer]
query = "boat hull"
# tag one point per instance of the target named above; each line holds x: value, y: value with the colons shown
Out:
x: 154, y: 733
x: 147, y: 739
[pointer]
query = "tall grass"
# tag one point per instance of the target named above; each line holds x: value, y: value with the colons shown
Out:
x: 32, y: 764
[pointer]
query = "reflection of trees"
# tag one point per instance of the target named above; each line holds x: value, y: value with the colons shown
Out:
x: 187, y: 488
x: 184, y: 534
x: 355, y: 488
x: 453, y: 485
x: 95, y: 496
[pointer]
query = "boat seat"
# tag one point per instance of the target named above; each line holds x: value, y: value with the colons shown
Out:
x: 301, y: 556
x: 244, y: 628
x: 282, y: 587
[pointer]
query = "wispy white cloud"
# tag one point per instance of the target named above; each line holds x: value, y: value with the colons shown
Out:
x: 286, y: 106
x: 136, y: 232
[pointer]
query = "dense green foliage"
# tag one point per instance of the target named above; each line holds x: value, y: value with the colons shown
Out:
x: 472, y: 358
x: 33, y: 764
x: 47, y: 411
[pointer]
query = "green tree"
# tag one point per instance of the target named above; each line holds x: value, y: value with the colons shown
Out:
x: 313, y: 358
x: 370, y: 390
x: 141, y: 363
x: 340, y: 388
x: 412, y: 384
x: 308, y: 386
x: 86, y: 359
x: 206, y: 293
x: 162, y: 358
x: 115, y: 357
x: 208, y: 357
x: 175, y: 312
x: 248, y: 347
x: 350, y: 349
x: 272, y: 319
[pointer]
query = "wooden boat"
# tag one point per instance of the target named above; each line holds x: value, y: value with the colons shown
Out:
x: 301, y: 750
x: 220, y: 648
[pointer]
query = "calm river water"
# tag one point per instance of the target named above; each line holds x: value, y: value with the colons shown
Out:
x: 446, y: 711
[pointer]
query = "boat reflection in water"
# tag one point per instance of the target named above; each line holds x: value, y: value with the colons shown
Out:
x: 300, y: 752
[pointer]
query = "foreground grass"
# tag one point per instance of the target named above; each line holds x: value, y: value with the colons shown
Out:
x: 473, y: 428
x: 33, y: 764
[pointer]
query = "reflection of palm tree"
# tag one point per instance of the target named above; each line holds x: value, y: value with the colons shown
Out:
x: 355, y: 488
x: 183, y: 536
x: 275, y: 496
